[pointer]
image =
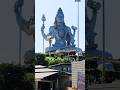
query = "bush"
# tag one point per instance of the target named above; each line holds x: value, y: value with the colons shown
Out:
x: 52, y: 60
x: 40, y: 59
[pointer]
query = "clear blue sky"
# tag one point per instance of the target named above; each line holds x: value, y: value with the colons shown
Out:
x: 49, y: 8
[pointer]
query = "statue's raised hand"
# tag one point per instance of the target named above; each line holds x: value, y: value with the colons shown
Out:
x: 18, y: 5
x: 95, y: 6
x: 74, y: 28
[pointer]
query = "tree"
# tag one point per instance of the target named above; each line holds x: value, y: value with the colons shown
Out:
x: 13, y: 77
x: 40, y: 59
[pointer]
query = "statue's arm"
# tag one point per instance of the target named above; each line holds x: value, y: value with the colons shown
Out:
x: 43, y: 34
x: 47, y: 36
x: 95, y: 6
x: 70, y: 33
x: 86, y: 16
x: 71, y: 36
x: 18, y: 13
x: 23, y: 24
x: 74, y: 30
x: 93, y: 19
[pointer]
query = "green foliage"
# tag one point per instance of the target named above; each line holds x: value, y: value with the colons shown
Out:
x: 13, y: 77
x: 52, y: 60
x: 40, y: 59
x: 29, y: 68
x: 46, y: 60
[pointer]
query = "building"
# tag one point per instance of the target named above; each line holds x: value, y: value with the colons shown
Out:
x: 45, y: 78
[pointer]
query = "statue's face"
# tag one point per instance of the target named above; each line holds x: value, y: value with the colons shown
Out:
x: 60, y: 18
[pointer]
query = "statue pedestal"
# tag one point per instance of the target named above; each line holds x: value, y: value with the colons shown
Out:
x: 66, y: 49
x: 69, y: 52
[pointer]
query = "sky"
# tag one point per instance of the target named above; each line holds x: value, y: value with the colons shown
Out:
x: 50, y: 8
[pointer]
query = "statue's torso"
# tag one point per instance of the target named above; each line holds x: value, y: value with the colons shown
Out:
x: 59, y: 34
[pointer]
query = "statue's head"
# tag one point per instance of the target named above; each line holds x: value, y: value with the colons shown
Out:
x: 60, y: 16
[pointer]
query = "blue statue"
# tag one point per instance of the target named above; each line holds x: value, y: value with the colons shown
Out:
x: 60, y: 32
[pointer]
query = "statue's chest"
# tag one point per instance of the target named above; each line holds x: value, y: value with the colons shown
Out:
x: 61, y: 32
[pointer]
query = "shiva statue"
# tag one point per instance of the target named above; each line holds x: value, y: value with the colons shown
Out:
x: 62, y: 34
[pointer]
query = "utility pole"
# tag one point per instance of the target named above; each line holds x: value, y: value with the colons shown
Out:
x: 103, y: 39
x: 20, y: 33
x: 20, y: 42
x: 78, y: 24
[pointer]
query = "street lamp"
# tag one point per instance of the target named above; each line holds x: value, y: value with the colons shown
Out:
x: 78, y: 20
x: 103, y: 39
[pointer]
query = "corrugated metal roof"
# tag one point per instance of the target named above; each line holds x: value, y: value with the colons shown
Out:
x: 42, y: 72
x: 39, y: 76
x: 39, y: 66
x: 45, y: 70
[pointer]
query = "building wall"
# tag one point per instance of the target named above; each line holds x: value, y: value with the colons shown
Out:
x: 78, y: 66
